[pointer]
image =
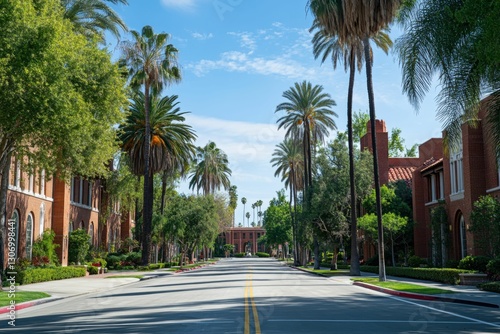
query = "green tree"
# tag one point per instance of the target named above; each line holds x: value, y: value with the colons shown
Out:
x: 59, y: 93
x: 211, y: 171
x: 277, y: 221
x: 485, y: 224
x: 396, y: 218
x: 289, y: 162
x: 351, y: 53
x: 248, y: 218
x: 152, y: 65
x: 195, y: 219
x: 360, y: 119
x: 453, y: 41
x: 79, y: 245
x: 360, y: 19
x: 94, y: 17
x: 44, y: 248
x: 228, y: 249
x: 331, y: 192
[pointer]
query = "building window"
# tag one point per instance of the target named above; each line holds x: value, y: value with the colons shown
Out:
x: 463, y: 237
x: 81, y: 191
x: 14, y: 224
x: 235, y: 235
x: 42, y: 182
x: 71, y: 226
x: 441, y: 185
x: 91, y: 233
x: 29, y: 236
x: 244, y: 236
x: 456, y: 172
x: 42, y: 218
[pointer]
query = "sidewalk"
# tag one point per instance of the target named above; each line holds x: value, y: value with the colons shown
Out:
x: 81, y: 285
x: 462, y: 294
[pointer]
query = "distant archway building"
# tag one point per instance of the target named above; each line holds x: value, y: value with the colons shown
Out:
x: 244, y: 239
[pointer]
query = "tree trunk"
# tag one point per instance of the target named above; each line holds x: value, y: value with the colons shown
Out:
x: 334, y: 265
x: 371, y: 102
x: 317, y: 256
x: 163, y: 191
x: 354, y: 270
x: 147, y: 212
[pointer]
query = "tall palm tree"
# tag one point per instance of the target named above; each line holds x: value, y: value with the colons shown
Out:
x: 211, y: 171
x: 233, y: 200
x: 351, y: 54
x: 253, y: 207
x: 243, y: 201
x: 360, y: 19
x: 94, y: 17
x: 289, y: 162
x: 309, y: 117
x: 248, y: 219
x: 455, y: 39
x: 152, y: 65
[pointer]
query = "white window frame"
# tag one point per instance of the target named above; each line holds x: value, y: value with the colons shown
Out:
x: 29, y: 235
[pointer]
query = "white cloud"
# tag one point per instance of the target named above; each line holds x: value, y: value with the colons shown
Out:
x: 202, y: 37
x: 235, y: 61
x: 247, y: 40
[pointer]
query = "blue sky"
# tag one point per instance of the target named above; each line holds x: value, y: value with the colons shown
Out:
x: 237, y: 59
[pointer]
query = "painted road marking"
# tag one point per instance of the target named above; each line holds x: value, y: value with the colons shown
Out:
x: 249, y: 300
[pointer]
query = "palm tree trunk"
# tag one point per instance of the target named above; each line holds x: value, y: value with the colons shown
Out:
x: 147, y: 212
x: 163, y: 191
x: 371, y: 102
x: 354, y: 270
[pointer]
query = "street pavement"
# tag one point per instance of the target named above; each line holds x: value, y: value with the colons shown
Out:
x: 99, y: 283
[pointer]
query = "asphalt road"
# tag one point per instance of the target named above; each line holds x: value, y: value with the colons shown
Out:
x: 250, y: 296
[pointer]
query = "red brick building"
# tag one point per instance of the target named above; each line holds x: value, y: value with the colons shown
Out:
x: 244, y: 239
x: 36, y: 203
x: 455, y: 181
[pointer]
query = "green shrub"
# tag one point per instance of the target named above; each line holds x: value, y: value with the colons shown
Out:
x: 415, y: 261
x: 79, y: 245
x: 262, y: 254
x: 44, y: 249
x: 239, y: 254
x: 493, y: 269
x: 113, y: 260
x: 101, y: 262
x: 93, y: 270
x: 443, y: 275
x: 477, y: 263
x: 490, y: 286
x: 35, y: 275
x: 134, y: 258
x: 452, y: 264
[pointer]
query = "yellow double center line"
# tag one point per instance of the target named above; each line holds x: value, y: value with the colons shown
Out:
x: 250, y: 301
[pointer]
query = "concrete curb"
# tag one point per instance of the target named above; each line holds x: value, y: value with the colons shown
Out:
x: 5, y: 309
x: 424, y: 297
x: 410, y: 294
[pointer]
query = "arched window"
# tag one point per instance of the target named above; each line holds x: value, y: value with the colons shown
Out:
x: 463, y: 237
x: 71, y: 226
x: 82, y: 224
x: 91, y: 233
x: 29, y: 235
x: 42, y: 218
x: 14, y: 228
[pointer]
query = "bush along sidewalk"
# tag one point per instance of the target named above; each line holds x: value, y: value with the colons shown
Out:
x: 442, y: 275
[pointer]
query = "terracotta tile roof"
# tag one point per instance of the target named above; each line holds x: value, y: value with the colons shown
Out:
x: 430, y: 164
x: 401, y: 173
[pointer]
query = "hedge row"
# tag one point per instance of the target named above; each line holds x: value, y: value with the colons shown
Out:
x: 442, y: 275
x: 36, y: 275
x: 262, y: 254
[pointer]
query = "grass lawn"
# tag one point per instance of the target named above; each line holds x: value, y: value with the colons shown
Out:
x: 126, y: 276
x: 21, y: 296
x: 404, y: 287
